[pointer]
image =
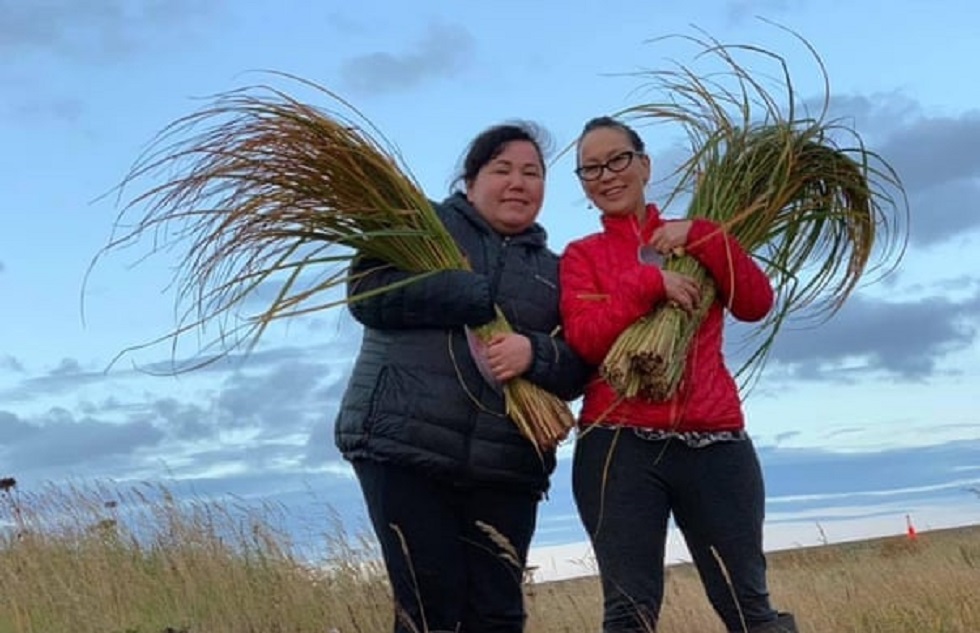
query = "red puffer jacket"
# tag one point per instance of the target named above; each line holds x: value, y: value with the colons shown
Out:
x: 604, y: 289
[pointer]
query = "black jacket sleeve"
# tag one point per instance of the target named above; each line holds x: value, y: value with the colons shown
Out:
x: 385, y: 298
x: 555, y: 367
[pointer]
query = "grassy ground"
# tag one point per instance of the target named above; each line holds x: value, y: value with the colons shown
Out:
x: 887, y: 585
x: 137, y: 561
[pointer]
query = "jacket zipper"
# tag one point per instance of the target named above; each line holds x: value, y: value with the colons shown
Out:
x: 494, y: 283
x: 499, y: 268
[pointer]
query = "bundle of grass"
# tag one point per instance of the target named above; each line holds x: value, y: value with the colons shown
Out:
x: 262, y: 190
x: 813, y: 211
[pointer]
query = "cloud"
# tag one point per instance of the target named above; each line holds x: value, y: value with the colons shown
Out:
x: 276, y: 400
x: 12, y: 428
x: 786, y: 436
x: 933, y: 155
x: 183, y: 421
x: 320, y: 446
x: 945, y: 212
x: 443, y: 52
x: 273, y: 412
x: 267, y: 357
x: 9, y: 363
x: 932, y: 151
x: 67, y: 367
x: 58, y: 439
x: 906, y: 340
x: 66, y: 377
x: 92, y: 32
x: 98, y: 30
x: 797, y: 472
x: 298, y: 399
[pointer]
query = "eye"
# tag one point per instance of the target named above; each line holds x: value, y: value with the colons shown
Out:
x: 620, y: 161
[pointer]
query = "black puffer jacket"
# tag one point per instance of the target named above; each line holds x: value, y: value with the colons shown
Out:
x: 415, y: 396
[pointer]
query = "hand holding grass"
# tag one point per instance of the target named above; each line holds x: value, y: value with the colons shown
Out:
x: 671, y: 237
x: 508, y: 355
x: 682, y: 290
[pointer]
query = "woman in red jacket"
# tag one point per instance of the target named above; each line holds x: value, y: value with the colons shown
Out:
x: 638, y: 461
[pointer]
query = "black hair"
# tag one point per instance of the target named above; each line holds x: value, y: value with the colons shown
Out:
x: 489, y: 143
x: 609, y: 122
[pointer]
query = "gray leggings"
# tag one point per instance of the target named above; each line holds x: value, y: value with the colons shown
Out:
x: 626, y: 489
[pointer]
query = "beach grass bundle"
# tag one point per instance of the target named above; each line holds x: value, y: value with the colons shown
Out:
x: 268, y: 199
x: 800, y: 193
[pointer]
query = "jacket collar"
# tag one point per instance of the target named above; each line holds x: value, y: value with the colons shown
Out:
x: 629, y: 226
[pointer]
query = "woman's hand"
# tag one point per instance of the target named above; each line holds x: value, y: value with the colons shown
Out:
x: 681, y: 291
x: 671, y: 236
x: 509, y: 356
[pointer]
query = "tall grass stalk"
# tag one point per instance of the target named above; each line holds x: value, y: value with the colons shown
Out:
x: 111, y: 560
x: 265, y: 196
x: 800, y: 192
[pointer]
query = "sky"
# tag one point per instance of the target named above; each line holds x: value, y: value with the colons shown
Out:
x: 860, y: 421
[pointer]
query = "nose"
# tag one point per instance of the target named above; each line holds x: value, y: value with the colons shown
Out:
x: 517, y: 180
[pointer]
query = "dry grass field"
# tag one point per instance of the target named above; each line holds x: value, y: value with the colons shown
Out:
x: 138, y: 561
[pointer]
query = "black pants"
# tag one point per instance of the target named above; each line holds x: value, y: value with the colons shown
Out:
x: 446, y: 572
x: 627, y: 487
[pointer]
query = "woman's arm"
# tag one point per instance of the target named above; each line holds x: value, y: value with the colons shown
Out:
x: 385, y: 298
x: 743, y: 286
x: 555, y: 367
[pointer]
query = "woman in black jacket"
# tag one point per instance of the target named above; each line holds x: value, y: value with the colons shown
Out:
x: 437, y: 458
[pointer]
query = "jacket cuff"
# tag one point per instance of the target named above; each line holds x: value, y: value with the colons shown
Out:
x: 544, y: 353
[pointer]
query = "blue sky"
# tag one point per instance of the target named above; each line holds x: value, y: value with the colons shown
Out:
x: 875, y: 410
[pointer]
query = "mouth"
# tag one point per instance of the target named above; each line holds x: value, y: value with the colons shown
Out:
x: 517, y: 201
x: 612, y: 192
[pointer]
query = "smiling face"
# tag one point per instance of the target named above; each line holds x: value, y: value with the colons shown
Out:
x: 613, y: 192
x: 508, y: 191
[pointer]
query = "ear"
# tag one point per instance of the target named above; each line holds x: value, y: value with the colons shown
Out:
x: 647, y: 167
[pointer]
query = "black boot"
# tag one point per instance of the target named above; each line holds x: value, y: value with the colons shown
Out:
x: 784, y: 623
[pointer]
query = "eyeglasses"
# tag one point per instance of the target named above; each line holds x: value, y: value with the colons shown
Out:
x: 616, y: 164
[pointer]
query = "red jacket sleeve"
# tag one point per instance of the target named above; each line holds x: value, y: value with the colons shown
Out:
x: 601, y: 299
x: 743, y: 286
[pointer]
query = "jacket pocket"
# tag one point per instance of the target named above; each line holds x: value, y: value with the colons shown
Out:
x: 546, y: 282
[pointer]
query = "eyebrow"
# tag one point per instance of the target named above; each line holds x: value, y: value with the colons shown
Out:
x: 510, y: 163
x: 608, y: 155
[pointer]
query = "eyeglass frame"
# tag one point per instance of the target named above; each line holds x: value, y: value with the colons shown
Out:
x: 602, y: 167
